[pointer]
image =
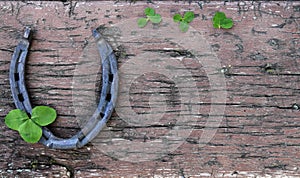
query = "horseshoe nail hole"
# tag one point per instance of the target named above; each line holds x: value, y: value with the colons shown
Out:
x: 108, y: 97
x: 50, y: 145
x: 102, y: 114
x: 81, y: 136
x: 111, y: 77
x: 21, y: 98
x: 17, y: 78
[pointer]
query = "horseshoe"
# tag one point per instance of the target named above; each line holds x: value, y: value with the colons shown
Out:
x: 108, y: 94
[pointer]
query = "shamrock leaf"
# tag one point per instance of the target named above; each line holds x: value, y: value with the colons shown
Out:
x: 185, y: 20
x: 15, y: 118
x: 218, y: 17
x: 155, y: 18
x: 184, y: 26
x: 177, y: 18
x: 43, y: 115
x: 149, y: 11
x: 188, y: 17
x: 221, y: 21
x: 142, y: 22
x: 30, y: 128
x: 151, y: 16
x: 30, y: 131
x: 227, y: 23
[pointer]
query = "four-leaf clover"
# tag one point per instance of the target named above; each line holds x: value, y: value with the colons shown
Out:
x: 30, y: 128
x: 151, y: 15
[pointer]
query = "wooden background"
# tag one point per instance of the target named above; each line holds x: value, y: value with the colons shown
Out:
x: 260, y: 58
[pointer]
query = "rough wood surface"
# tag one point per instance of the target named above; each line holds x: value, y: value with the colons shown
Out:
x: 259, y: 60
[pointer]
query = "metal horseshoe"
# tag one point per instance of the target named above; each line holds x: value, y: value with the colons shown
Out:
x: 108, y: 95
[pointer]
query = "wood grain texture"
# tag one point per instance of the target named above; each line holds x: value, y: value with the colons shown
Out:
x: 260, y: 61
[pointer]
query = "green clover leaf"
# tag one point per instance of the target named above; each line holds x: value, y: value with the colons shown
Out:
x: 155, y: 18
x: 149, y: 11
x: 30, y: 131
x: 177, y: 18
x: 227, y: 23
x: 151, y: 16
x: 142, y: 22
x: 43, y: 115
x: 188, y: 16
x: 218, y: 17
x: 221, y: 21
x: 15, y: 118
x: 184, y: 21
x: 30, y: 128
x: 184, y: 26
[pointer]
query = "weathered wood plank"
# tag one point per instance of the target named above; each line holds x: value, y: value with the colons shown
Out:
x: 259, y: 59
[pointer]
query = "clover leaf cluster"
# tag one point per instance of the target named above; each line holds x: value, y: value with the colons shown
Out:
x: 221, y: 21
x: 30, y: 128
x: 185, y: 20
x: 151, y: 16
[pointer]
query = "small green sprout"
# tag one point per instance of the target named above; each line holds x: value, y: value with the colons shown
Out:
x: 185, y: 20
x: 30, y: 128
x: 151, y: 15
x: 221, y: 21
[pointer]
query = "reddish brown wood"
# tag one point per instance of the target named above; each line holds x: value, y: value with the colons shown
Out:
x: 259, y: 135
